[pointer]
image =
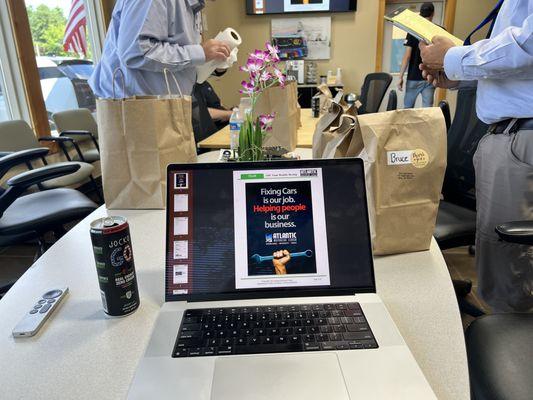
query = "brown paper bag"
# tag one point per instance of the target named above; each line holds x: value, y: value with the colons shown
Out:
x: 405, y: 160
x: 343, y: 143
x: 284, y: 103
x: 327, y: 129
x: 139, y: 137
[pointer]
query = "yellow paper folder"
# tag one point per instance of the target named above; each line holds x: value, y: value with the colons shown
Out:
x: 418, y: 26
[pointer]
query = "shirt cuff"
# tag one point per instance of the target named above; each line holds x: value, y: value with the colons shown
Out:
x: 197, y: 54
x: 453, y: 62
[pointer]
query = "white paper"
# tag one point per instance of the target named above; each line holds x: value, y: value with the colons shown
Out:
x: 180, y: 274
x: 181, y: 202
x: 181, y: 226
x: 181, y: 249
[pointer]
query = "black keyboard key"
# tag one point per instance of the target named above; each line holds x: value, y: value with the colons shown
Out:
x: 341, y: 306
x: 241, y: 341
x: 294, y: 308
x: 337, y: 313
x: 335, y: 337
x: 327, y: 346
x: 254, y: 341
x: 343, y: 346
x: 213, y: 342
x: 317, y: 307
x: 209, y: 351
x: 311, y: 346
x: 357, y: 335
x: 274, y: 332
x: 312, y: 329
x: 329, y: 306
x: 193, y: 313
x: 195, y: 351
x: 357, y: 327
x: 354, y: 306
x: 267, y: 340
x: 326, y: 329
x: 181, y: 352
x: 299, y: 331
x: 352, y: 313
x: 190, y: 335
x: 339, y: 328
x: 295, y: 339
x: 268, y: 348
x: 322, y: 337
x: 334, y: 321
x: 347, y: 320
x: 370, y: 344
x: 191, y: 327
x: 191, y: 320
x: 221, y: 334
x: 225, y: 350
x: 226, y: 342
x: 282, y: 340
x: 309, y: 338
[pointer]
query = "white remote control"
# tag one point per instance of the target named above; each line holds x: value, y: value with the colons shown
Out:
x: 37, y: 316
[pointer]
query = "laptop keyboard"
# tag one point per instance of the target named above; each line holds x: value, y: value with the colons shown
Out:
x: 273, y: 329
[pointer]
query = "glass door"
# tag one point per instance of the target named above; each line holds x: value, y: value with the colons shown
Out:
x: 393, y: 44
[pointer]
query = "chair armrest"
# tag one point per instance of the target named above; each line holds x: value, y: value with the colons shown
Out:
x: 520, y: 232
x: 5, y: 153
x: 62, y: 140
x: 72, y: 133
x: 39, y: 175
x: 20, y: 157
x: 20, y: 183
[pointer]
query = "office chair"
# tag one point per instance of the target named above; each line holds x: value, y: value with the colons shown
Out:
x: 392, y: 104
x: 17, y: 136
x: 25, y: 217
x: 500, y: 346
x: 79, y: 125
x: 373, y: 91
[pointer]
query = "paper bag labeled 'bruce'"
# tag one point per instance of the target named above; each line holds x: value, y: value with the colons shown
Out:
x: 139, y: 137
x: 405, y: 161
x: 283, y: 102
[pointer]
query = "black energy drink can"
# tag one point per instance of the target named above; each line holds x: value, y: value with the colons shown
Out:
x: 114, y: 265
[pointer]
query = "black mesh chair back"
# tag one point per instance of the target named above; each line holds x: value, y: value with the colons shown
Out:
x: 464, y: 135
x: 203, y: 125
x: 373, y: 91
x: 393, y: 101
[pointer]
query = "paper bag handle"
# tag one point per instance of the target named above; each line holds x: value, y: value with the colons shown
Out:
x: 115, y: 72
x: 166, y: 71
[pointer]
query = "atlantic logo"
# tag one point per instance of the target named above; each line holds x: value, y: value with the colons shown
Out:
x: 280, y: 236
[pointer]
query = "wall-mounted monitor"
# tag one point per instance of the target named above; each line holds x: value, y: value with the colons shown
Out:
x: 258, y: 7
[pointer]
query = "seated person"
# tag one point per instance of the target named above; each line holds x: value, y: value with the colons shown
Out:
x: 209, y: 115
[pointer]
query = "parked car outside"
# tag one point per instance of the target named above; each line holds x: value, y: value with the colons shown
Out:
x: 64, y: 84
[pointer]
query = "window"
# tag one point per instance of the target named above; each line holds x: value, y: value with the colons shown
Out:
x: 63, y: 48
x: 5, y: 113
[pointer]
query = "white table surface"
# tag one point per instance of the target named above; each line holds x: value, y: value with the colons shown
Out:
x: 82, y: 354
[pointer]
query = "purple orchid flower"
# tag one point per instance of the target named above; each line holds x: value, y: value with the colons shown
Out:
x: 266, y: 121
x: 248, y: 88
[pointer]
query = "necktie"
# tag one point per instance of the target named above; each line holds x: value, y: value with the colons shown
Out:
x: 491, y: 18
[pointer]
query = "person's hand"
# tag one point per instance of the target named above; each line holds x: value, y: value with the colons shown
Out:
x: 437, y: 78
x: 433, y: 54
x: 216, y: 50
x: 400, y: 84
x: 281, y: 258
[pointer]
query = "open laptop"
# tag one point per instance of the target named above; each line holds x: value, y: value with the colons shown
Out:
x: 270, y: 290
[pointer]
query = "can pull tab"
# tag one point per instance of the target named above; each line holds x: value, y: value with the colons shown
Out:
x: 109, y: 222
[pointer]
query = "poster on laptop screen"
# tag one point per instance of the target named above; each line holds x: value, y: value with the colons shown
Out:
x: 280, y: 230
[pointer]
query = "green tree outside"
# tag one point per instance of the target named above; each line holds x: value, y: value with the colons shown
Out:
x: 48, y: 29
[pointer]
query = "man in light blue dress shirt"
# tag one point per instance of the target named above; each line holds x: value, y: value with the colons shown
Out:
x: 502, y: 65
x: 148, y: 36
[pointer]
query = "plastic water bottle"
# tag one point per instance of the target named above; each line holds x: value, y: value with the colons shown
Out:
x: 235, y: 123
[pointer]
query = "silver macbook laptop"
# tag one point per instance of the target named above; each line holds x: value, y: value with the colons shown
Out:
x: 270, y: 290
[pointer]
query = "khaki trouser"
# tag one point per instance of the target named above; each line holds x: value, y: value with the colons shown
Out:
x: 504, y: 191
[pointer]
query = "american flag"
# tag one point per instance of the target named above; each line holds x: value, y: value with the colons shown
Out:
x: 75, y: 40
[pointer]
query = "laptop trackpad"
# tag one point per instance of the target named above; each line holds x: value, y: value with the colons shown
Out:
x: 279, y: 376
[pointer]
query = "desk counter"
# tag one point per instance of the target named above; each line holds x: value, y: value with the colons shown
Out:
x: 82, y: 354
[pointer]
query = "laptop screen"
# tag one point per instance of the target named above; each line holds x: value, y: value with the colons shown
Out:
x: 287, y: 228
